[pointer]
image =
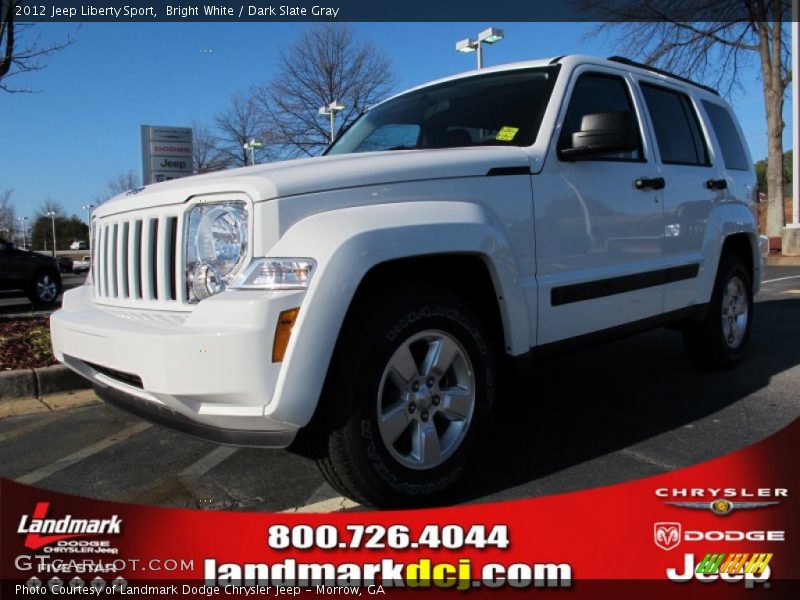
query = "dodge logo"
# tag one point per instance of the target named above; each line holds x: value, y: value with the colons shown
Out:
x: 667, y: 535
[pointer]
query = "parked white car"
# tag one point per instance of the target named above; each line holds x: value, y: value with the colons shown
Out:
x: 82, y: 265
x: 78, y: 245
x: 372, y: 299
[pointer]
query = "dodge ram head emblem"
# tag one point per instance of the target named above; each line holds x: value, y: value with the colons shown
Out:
x: 667, y: 535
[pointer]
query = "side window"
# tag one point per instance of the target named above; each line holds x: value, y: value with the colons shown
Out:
x: 597, y: 93
x: 731, y: 144
x: 680, y: 140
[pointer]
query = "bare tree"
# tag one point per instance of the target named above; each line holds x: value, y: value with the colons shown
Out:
x: 205, y: 149
x: 325, y: 64
x: 16, y: 55
x: 714, y: 40
x: 8, y: 215
x: 49, y: 205
x: 237, y: 124
x: 117, y: 184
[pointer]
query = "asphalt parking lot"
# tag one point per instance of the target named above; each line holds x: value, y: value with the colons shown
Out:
x: 620, y: 412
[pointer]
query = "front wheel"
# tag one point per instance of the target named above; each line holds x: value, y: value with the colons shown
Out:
x: 720, y: 340
x: 410, y: 395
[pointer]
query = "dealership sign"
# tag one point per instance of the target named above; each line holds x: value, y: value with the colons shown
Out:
x: 166, y: 153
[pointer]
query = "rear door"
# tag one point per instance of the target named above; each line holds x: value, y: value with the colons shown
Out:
x: 693, y: 183
x: 598, y: 234
x: 740, y: 177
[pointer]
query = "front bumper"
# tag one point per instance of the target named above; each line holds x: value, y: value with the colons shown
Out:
x: 207, y: 372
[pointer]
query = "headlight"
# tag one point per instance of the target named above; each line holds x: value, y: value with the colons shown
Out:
x: 216, y: 245
x: 276, y: 274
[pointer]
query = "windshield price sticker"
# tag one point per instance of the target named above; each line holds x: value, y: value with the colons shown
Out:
x: 506, y: 134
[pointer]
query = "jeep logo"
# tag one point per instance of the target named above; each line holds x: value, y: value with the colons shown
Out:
x: 173, y: 164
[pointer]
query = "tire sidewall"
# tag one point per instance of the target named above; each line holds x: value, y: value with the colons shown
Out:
x: 378, y: 466
x: 732, y: 266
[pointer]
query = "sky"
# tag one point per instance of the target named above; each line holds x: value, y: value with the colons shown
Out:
x: 82, y: 126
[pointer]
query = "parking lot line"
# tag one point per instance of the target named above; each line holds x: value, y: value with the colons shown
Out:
x: 27, y: 428
x: 326, y: 506
x: 780, y: 279
x: 199, y: 468
x: 83, y: 453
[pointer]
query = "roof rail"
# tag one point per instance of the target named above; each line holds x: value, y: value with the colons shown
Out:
x: 633, y: 63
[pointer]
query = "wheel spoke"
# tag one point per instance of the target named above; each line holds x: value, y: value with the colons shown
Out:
x: 440, y: 356
x: 426, y: 443
x: 403, y: 369
x: 457, y: 403
x: 395, y: 421
x: 741, y: 306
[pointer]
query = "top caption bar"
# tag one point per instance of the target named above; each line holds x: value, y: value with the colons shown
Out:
x: 149, y: 11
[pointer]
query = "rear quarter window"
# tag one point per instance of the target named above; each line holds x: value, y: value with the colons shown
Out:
x: 733, y: 153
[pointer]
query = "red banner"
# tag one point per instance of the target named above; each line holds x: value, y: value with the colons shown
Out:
x: 724, y: 528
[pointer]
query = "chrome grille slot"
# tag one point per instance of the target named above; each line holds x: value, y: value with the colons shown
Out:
x: 134, y: 231
x: 172, y: 257
x: 160, y: 260
x: 112, y: 261
x: 137, y: 261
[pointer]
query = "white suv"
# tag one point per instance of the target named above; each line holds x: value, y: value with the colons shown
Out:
x: 372, y: 298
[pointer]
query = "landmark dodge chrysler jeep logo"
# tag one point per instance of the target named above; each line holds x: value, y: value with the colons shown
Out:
x: 62, y: 529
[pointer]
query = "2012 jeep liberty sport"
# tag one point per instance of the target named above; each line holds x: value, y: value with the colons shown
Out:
x: 370, y: 298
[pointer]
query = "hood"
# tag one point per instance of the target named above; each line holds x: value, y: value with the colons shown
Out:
x: 308, y: 175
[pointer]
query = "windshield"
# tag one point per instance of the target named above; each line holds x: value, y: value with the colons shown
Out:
x: 498, y: 109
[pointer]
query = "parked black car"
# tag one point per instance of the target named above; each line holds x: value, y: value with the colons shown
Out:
x: 65, y: 264
x: 35, y: 274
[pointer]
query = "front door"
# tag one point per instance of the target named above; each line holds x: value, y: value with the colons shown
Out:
x: 598, y: 221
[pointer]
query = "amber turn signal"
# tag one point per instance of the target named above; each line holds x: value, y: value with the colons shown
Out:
x: 282, y: 333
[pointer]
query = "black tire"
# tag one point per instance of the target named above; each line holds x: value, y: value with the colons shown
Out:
x: 710, y: 344
x: 350, y: 447
x: 44, y: 288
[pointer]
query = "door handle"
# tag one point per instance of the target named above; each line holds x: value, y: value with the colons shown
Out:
x: 717, y: 184
x: 656, y: 183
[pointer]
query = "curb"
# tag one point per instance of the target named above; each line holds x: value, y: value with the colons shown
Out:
x: 783, y: 261
x: 34, y: 383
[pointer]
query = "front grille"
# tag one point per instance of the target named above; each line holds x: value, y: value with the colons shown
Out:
x: 138, y: 261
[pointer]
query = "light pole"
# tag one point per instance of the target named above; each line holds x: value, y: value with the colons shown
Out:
x: 88, y: 208
x: 52, y: 216
x: 331, y: 110
x: 487, y: 36
x: 252, y: 145
x: 23, y: 223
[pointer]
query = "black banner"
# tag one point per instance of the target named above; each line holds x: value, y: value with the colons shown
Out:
x: 407, y: 10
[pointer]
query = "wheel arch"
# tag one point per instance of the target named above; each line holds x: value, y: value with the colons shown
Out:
x: 361, y: 249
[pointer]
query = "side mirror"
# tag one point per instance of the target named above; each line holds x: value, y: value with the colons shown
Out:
x: 602, y: 133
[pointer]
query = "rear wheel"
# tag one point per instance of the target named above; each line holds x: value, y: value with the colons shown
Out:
x: 410, y: 394
x: 720, y: 340
x: 44, y: 288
